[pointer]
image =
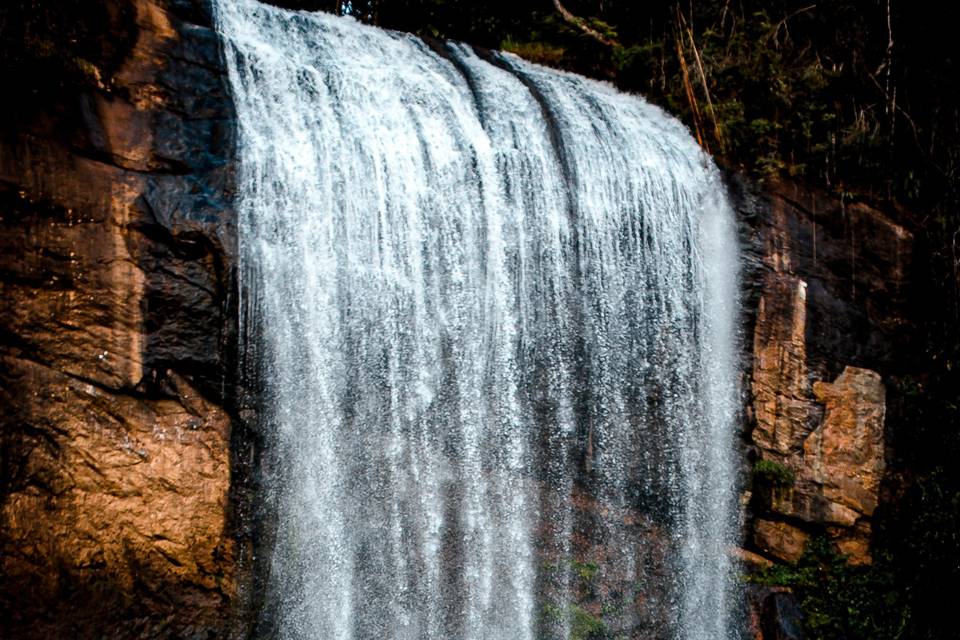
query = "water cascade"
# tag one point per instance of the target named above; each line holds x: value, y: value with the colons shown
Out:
x: 491, y: 308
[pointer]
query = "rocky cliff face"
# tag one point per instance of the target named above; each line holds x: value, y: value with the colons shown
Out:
x: 117, y: 430
x: 124, y: 469
x: 827, y: 326
x: 827, y: 318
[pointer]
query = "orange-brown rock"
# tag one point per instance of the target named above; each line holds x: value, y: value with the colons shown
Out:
x: 779, y: 539
x: 856, y: 546
x: 827, y: 284
x: 780, y: 382
x: 117, y: 442
x: 750, y: 560
x: 845, y: 454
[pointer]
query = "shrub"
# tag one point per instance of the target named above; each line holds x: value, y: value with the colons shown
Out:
x: 773, y: 474
x: 839, y: 600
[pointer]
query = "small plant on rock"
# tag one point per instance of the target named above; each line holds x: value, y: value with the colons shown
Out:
x: 773, y: 474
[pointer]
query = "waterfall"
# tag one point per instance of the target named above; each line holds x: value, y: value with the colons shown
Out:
x: 491, y: 308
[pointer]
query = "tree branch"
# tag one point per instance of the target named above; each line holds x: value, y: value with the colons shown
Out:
x: 581, y: 24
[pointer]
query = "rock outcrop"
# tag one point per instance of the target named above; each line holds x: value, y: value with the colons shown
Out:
x: 827, y: 296
x: 117, y: 435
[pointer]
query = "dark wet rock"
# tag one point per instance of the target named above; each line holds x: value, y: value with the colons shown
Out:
x: 118, y: 468
x: 781, y: 618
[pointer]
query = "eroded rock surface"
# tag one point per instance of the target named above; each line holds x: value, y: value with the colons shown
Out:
x: 845, y: 454
x: 116, y: 512
x: 828, y: 293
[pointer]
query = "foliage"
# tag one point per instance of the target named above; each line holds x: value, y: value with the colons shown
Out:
x: 586, y: 571
x: 584, y: 625
x: 52, y: 50
x: 839, y: 600
x: 539, y: 52
x: 773, y: 473
x: 576, y: 615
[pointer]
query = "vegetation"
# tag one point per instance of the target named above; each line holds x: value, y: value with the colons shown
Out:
x: 583, y: 624
x: 839, y: 600
x: 51, y: 48
x: 773, y: 474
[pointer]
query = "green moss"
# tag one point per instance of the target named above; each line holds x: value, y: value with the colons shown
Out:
x: 584, y: 625
x: 773, y: 474
x: 553, y: 613
x: 604, y: 29
x: 587, y: 571
x: 90, y: 72
x: 576, y: 614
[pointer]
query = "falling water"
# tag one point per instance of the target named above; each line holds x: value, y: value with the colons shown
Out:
x: 492, y: 311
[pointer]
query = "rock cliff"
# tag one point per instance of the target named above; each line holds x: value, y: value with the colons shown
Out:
x: 117, y: 433
x: 827, y: 318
